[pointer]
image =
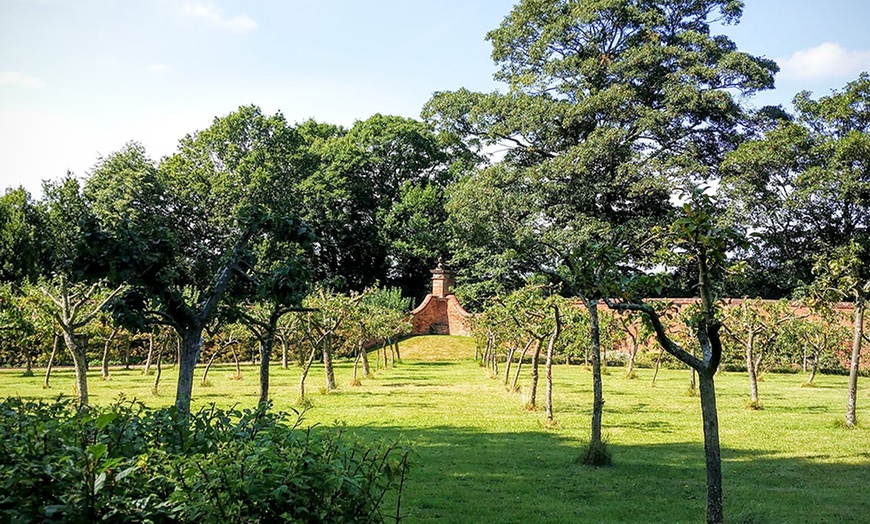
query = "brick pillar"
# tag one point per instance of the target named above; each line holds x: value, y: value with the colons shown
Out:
x: 442, y: 279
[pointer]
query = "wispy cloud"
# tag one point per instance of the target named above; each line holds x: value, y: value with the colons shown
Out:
x: 15, y: 78
x: 828, y: 60
x: 215, y: 16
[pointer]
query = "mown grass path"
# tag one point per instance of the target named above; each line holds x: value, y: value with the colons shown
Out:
x: 480, y: 457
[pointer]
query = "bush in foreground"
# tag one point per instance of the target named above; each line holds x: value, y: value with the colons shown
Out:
x: 127, y: 463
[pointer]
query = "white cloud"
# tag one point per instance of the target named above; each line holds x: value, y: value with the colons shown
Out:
x: 14, y: 78
x: 828, y: 60
x: 158, y: 68
x: 214, y: 15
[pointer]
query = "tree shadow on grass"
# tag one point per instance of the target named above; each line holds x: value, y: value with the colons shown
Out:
x: 468, y: 475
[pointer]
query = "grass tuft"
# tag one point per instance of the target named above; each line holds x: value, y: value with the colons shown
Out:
x: 754, y: 405
x: 355, y: 382
x: 807, y: 385
x: 596, y: 455
x: 748, y: 516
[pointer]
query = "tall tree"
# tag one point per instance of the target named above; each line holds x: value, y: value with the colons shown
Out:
x: 73, y: 292
x: 180, y: 232
x: 611, y: 104
x: 814, y: 175
x: 362, y: 174
x: 21, y: 246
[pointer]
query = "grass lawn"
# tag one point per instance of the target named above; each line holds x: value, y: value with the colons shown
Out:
x: 480, y: 457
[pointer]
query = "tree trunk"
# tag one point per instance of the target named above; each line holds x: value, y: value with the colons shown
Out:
x: 392, y: 354
x: 658, y: 364
x: 750, y: 367
x: 305, y: 367
x: 551, y: 348
x: 265, y: 358
x: 147, y: 370
x: 28, y: 364
x: 191, y: 344
x: 208, y: 364
x: 126, y: 355
x: 80, y: 362
x: 45, y: 384
x: 857, y: 330
x: 813, y: 370
x: 104, y: 369
x: 155, y: 387
x: 327, y: 363
x: 285, y: 348
x: 507, y: 363
x: 533, y: 387
x: 237, y: 362
x: 520, y: 365
x: 367, y: 369
x: 398, y: 355
x: 712, y: 452
x: 597, y: 394
x: 629, y: 372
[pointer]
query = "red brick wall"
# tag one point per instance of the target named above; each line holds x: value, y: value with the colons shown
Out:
x: 441, y: 316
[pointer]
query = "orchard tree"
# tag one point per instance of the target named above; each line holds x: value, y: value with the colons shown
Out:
x: 806, y: 183
x: 181, y: 232
x: 755, y: 325
x: 73, y: 295
x: 698, y: 234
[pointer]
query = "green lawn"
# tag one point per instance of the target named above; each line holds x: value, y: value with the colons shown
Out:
x: 480, y: 457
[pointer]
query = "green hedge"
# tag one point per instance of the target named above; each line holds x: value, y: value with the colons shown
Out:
x: 126, y: 463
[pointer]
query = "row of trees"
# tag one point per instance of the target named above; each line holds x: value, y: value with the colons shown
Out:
x: 224, y: 230
x: 632, y: 169
x: 759, y: 336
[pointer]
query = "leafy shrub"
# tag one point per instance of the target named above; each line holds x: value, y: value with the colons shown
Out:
x: 127, y: 463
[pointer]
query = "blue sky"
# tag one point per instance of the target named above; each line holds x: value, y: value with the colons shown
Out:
x: 79, y: 78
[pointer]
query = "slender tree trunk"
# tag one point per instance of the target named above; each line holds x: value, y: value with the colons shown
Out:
x: 712, y: 454
x: 533, y: 387
x: 551, y: 349
x: 237, y: 362
x: 631, y: 356
x: 813, y: 369
x: 658, y: 364
x: 305, y: 367
x: 597, y: 394
x: 104, y: 369
x: 398, y: 355
x: 208, y: 364
x: 191, y: 344
x: 156, y: 387
x: 327, y: 363
x: 367, y: 369
x: 507, y: 363
x: 28, y: 364
x: 751, y: 369
x: 857, y: 330
x: 355, y: 380
x: 126, y: 355
x: 386, y: 342
x: 147, y: 370
x: 520, y: 365
x: 45, y: 384
x: 285, y: 348
x: 392, y: 354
